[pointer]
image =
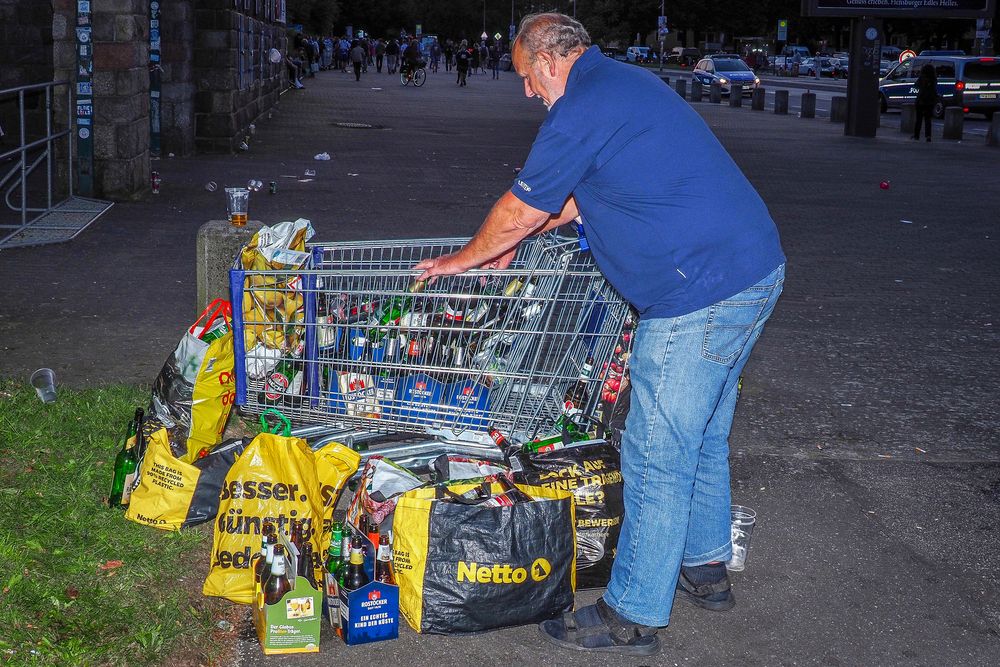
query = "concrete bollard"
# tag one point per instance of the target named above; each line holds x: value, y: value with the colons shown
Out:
x: 696, y: 90
x: 757, y: 99
x: 735, y: 96
x: 781, y: 101
x: 715, y: 93
x: 808, y: 105
x: 907, y: 119
x: 838, y: 109
x: 993, y: 132
x: 217, y: 243
x: 681, y: 86
x: 954, y: 119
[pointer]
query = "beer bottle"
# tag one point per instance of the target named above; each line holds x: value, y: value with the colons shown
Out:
x: 511, y: 491
x: 306, y: 566
x: 578, y: 393
x: 356, y: 576
x: 277, y: 584
x: 373, y: 533
x: 345, y: 556
x: 283, y: 381
x: 333, y: 561
x: 500, y: 440
x: 125, y: 464
x: 272, y: 544
x: 261, y: 563
x: 389, y: 312
x: 383, y: 563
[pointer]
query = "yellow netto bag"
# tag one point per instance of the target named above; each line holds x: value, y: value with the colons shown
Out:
x: 277, y: 478
x: 171, y: 494
x: 467, y: 568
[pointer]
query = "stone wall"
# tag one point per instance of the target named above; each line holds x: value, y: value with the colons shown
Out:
x: 25, y: 42
x: 178, y: 89
x: 234, y: 80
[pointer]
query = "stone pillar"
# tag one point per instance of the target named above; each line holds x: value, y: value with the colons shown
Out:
x: 178, y: 87
x: 838, y: 109
x: 25, y: 43
x: 696, y: 90
x: 715, y: 93
x: 781, y: 101
x: 954, y: 119
x: 681, y: 87
x: 907, y: 118
x: 121, y: 97
x: 757, y: 99
x: 234, y: 81
x: 993, y: 133
x: 808, y: 108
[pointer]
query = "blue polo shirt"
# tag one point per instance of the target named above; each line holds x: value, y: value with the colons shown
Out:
x: 671, y: 220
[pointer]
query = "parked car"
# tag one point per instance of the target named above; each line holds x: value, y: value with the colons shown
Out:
x: 683, y: 56
x: 612, y: 52
x: 827, y: 67
x: 638, y: 54
x: 726, y: 70
x: 970, y: 82
x: 792, y: 49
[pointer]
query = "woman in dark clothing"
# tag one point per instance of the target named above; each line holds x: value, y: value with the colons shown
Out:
x: 926, y: 99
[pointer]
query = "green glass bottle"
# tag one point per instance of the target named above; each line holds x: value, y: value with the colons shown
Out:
x: 336, y: 550
x: 390, y: 312
x: 125, y: 464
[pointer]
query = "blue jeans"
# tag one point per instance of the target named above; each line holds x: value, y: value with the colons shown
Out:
x: 675, y: 449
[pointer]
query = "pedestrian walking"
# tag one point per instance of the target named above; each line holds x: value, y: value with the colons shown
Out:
x: 474, y: 58
x: 696, y: 252
x: 495, y: 53
x: 484, y: 56
x: 926, y: 99
x: 392, y: 56
x: 449, y: 53
x: 379, y: 54
x: 463, y: 58
x: 357, y: 59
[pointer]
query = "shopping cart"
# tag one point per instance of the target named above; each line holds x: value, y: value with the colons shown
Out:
x: 350, y: 348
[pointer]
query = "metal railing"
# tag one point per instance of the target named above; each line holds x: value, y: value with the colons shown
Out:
x: 45, y: 221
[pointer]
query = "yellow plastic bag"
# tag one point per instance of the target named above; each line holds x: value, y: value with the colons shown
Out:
x: 194, y: 392
x: 172, y: 494
x: 277, y: 478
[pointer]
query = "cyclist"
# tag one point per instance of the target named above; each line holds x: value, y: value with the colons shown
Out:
x: 412, y: 58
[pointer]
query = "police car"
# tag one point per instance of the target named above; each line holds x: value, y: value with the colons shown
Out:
x: 970, y: 82
x: 726, y: 69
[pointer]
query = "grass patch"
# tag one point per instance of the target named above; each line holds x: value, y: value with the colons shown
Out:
x: 58, y: 606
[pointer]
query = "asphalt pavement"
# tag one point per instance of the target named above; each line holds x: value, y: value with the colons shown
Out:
x: 866, y: 435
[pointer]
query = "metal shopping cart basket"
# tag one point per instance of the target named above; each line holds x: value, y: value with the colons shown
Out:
x: 349, y: 344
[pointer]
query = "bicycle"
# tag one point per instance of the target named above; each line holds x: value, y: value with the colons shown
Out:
x: 418, y: 76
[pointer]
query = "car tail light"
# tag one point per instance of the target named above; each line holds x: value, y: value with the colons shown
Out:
x: 959, y: 85
x: 965, y: 109
x: 987, y: 60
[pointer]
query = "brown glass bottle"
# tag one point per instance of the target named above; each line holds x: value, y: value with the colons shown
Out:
x: 277, y: 584
x: 383, y: 562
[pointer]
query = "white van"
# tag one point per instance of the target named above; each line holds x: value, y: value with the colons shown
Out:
x: 639, y: 54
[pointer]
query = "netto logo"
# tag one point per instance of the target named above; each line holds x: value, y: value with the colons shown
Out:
x: 497, y: 573
x: 524, y: 186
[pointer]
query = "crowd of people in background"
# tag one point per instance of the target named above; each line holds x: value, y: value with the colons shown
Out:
x: 311, y: 54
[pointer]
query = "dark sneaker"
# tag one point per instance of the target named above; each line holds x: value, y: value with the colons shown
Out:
x: 597, y: 628
x: 706, y: 586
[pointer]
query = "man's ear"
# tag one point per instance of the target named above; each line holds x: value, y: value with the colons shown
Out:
x: 548, y: 62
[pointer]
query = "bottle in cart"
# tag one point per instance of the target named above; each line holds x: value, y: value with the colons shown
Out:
x: 578, y: 393
x: 389, y: 312
x: 383, y: 562
x: 356, y: 577
x: 277, y: 583
x: 126, y: 463
x: 284, y: 381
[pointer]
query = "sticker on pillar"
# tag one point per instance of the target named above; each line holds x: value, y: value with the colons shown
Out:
x: 83, y: 6
x: 83, y: 35
x: 84, y: 133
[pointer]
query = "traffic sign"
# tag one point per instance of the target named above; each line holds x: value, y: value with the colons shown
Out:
x: 782, y: 30
x: 907, y: 54
x: 497, y: 36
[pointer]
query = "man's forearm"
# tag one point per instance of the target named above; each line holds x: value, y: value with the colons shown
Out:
x: 508, y: 223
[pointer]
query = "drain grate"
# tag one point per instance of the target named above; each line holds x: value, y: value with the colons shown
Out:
x: 359, y: 126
